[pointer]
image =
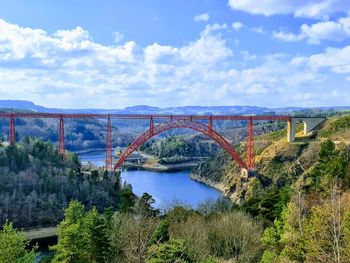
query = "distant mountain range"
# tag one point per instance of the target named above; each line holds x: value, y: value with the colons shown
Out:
x: 144, y: 109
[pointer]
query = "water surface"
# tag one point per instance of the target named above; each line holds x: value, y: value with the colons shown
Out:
x: 165, y: 187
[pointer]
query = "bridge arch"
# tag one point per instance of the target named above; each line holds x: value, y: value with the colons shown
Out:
x: 174, y: 124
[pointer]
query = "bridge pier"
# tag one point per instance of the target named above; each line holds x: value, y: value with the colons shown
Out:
x: 247, y: 173
x: 310, y: 123
x: 109, y: 154
x: 12, y: 131
x: 61, y: 150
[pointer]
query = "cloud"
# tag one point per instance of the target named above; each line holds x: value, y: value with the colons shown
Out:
x: 69, y: 69
x: 237, y: 25
x: 202, y: 17
x: 315, y: 33
x: 118, y: 37
x: 307, y: 8
x: 288, y: 37
x: 259, y: 30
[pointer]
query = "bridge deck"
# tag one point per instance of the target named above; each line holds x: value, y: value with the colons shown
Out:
x: 142, y: 116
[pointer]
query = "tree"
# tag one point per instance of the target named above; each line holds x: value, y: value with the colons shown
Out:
x: 347, y: 234
x: 127, y: 199
x: 72, y: 237
x: 130, y: 237
x: 172, y: 251
x: 95, y: 226
x: 13, y: 246
x: 293, y: 234
x: 144, y: 206
x: 325, y: 230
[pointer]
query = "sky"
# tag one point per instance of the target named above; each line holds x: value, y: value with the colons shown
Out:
x: 167, y: 53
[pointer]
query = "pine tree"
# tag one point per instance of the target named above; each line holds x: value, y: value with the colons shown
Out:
x: 13, y: 246
x: 72, y: 237
x: 97, y: 237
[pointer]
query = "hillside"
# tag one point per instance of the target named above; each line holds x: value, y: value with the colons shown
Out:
x: 279, y: 163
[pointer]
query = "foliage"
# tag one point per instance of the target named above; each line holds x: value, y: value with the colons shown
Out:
x: 82, y: 237
x: 176, y: 146
x: 144, y: 206
x: 35, y: 188
x: 169, y: 252
x: 127, y: 199
x: 13, y: 246
x: 339, y: 124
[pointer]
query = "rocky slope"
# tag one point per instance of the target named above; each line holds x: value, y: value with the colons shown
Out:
x: 279, y: 163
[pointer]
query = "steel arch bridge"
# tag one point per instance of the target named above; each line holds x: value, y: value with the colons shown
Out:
x: 166, y: 122
x: 197, y: 126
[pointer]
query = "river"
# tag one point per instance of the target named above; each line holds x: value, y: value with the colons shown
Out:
x: 166, y: 187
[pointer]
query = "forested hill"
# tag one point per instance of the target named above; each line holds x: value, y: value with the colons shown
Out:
x: 36, y: 184
x: 299, y: 189
x: 279, y: 163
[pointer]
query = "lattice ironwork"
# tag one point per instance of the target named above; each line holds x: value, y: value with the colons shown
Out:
x: 181, y: 124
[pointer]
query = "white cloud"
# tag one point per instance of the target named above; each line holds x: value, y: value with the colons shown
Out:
x: 214, y: 27
x: 306, y: 8
x: 288, y: 37
x: 202, y: 17
x: 315, y: 33
x: 237, y: 25
x: 259, y: 30
x: 69, y: 69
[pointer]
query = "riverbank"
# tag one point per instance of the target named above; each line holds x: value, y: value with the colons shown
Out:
x: 90, y: 150
x: 219, y: 186
x: 157, y: 167
x: 224, y: 189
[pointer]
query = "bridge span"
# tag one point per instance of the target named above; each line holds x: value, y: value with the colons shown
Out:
x: 167, y: 122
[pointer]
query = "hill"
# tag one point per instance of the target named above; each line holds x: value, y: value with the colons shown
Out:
x: 144, y: 109
x: 278, y: 162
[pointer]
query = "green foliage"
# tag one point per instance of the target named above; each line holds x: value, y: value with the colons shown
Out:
x: 82, y: 237
x: 218, y: 206
x: 72, y: 238
x: 161, y: 234
x: 13, y: 246
x: 127, y: 199
x: 268, y: 205
x: 177, y: 147
x: 340, y: 124
x: 170, y: 252
x: 36, y: 185
x: 144, y: 206
x: 331, y: 165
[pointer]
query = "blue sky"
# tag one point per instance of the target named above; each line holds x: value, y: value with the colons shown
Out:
x: 114, y: 54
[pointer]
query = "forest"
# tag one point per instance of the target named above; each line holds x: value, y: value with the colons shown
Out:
x: 36, y: 184
x: 307, y: 221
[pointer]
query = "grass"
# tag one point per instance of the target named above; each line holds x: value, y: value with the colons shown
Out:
x: 40, y: 233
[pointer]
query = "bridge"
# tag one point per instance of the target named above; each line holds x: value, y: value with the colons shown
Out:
x: 167, y: 122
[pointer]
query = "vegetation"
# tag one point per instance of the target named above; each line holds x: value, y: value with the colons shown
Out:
x: 181, y: 235
x: 36, y: 185
x: 13, y: 246
x: 295, y: 209
x: 176, y: 149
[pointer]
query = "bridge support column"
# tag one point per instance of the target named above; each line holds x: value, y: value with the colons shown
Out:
x: 12, y: 131
x: 151, y: 125
x: 291, y: 131
x: 247, y: 173
x: 61, y: 150
x: 210, y: 125
x: 310, y: 124
x: 109, y: 154
x: 250, y: 145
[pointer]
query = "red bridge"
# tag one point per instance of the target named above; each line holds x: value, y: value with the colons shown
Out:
x: 164, y: 123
